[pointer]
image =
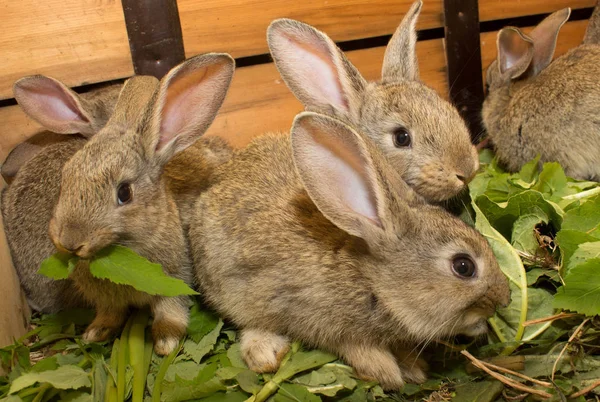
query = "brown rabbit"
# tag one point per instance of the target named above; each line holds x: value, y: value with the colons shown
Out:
x: 28, y: 202
x: 113, y: 192
x: 323, y: 242
x: 534, y: 107
x: 422, y: 135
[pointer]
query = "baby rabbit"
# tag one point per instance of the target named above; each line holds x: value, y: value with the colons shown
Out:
x: 422, y: 135
x: 534, y: 107
x: 28, y: 202
x: 322, y: 241
x: 113, y: 192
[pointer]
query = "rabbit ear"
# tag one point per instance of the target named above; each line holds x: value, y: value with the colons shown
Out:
x: 314, y: 68
x: 592, y: 33
x: 53, y: 105
x: 339, y: 175
x: 544, y: 38
x: 400, y: 61
x: 515, y: 52
x: 186, y: 103
x: 133, y: 100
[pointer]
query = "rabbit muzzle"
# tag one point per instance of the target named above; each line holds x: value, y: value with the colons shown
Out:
x: 77, y: 239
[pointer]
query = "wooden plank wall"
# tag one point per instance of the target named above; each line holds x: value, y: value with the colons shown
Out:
x: 82, y: 42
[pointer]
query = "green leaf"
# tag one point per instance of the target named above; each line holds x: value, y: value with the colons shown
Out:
x: 502, y: 216
x: 201, y: 322
x: 202, y: 386
x: 77, y: 396
x: 234, y: 355
x: 236, y: 396
x: 584, y: 219
x: 123, y: 266
x: 482, y: 391
x: 584, y: 252
x: 58, y: 266
x: 197, y: 350
x: 511, y: 265
x: 187, y: 370
x: 302, y: 361
x: 294, y: 393
x: 552, y: 182
x: 568, y: 242
x: 539, y: 305
x: 65, y: 377
x: 248, y: 381
x: 322, y: 376
x: 530, y: 172
x: 581, y: 292
x: 523, y: 233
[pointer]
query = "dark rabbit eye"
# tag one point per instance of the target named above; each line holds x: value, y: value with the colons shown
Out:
x: 401, y: 137
x: 463, y: 266
x: 124, y: 193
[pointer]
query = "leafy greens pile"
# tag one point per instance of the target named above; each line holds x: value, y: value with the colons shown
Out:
x: 545, y: 231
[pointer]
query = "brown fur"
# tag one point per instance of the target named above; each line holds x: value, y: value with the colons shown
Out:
x: 28, y: 201
x: 85, y: 175
x: 150, y: 125
x: 552, y: 111
x: 441, y: 159
x: 270, y: 254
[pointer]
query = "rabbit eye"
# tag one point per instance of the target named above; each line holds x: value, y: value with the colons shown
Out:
x: 463, y: 266
x: 401, y: 137
x: 124, y: 193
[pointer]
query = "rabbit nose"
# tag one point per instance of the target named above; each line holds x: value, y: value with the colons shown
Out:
x: 461, y: 178
x: 70, y: 247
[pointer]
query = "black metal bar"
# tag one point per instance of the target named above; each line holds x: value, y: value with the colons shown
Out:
x: 463, y: 56
x: 155, y: 37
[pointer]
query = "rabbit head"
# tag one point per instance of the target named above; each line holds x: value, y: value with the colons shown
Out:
x: 436, y: 275
x: 523, y: 56
x: 421, y: 134
x: 112, y: 190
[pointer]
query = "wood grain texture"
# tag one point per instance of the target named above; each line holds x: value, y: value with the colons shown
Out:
x: 239, y: 28
x: 259, y: 100
x: 77, y: 41
x: 500, y: 9
x: 14, y: 312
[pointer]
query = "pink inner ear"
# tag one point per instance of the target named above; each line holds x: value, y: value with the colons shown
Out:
x: 343, y: 174
x: 513, y: 49
x: 312, y: 66
x: 191, y: 100
x: 51, y: 101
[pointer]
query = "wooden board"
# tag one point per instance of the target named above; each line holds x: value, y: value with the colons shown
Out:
x: 570, y: 36
x: 500, y: 9
x: 14, y: 312
x: 239, y: 27
x: 259, y: 100
x: 76, y: 41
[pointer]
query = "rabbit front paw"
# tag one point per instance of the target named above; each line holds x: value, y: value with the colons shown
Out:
x: 170, y: 323
x: 413, y: 367
x: 373, y: 363
x: 262, y: 350
x: 105, y: 325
